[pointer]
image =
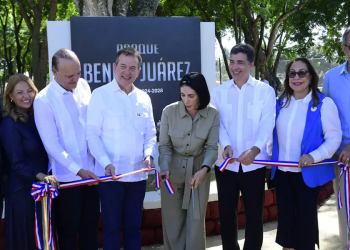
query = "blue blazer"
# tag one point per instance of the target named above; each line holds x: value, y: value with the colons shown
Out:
x: 312, y: 139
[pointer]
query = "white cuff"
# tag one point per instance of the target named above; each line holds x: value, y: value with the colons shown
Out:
x: 148, y: 151
x: 104, y: 161
x: 74, y: 168
x: 259, y: 145
x: 316, y: 155
x: 224, y: 144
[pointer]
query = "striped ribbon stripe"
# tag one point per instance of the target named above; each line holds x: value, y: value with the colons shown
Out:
x: 169, y: 186
x: 344, y: 170
x: 290, y: 164
x: 39, y: 191
x: 110, y: 177
x: 37, y: 233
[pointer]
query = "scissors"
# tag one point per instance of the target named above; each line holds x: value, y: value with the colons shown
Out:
x: 192, y: 194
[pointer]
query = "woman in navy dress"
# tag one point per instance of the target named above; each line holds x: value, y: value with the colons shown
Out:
x: 28, y: 159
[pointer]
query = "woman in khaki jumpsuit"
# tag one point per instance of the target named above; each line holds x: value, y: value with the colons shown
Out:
x: 188, y: 147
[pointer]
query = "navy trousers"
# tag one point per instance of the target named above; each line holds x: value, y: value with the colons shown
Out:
x: 297, y: 212
x: 121, y: 204
x: 77, y: 212
x: 252, y: 186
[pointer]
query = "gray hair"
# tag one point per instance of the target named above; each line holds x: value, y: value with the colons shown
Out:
x: 62, y: 54
x: 129, y: 51
x: 345, y: 35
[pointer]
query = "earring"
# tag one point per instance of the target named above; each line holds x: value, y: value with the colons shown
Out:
x: 11, y: 100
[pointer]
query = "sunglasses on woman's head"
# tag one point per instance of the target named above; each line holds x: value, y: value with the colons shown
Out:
x: 301, y: 73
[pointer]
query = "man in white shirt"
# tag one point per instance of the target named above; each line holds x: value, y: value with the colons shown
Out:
x: 336, y: 85
x: 121, y: 135
x: 60, y: 116
x: 247, y: 114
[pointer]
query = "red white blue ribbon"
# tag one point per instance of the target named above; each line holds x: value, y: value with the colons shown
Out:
x: 117, y: 177
x: 169, y: 186
x: 39, y: 191
x: 290, y: 164
x: 344, y: 170
x: 167, y: 183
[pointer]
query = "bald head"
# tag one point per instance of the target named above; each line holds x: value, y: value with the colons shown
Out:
x: 66, y: 69
x: 65, y: 54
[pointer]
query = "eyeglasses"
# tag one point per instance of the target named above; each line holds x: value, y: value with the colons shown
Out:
x: 301, y: 73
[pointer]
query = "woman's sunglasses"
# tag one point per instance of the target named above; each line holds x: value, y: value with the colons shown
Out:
x: 301, y: 73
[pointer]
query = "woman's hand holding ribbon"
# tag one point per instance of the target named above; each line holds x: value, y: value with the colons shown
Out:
x: 50, y: 179
x: 306, y: 160
x: 164, y: 175
x: 198, y: 177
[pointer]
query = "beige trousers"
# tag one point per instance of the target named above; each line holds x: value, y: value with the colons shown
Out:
x: 180, y: 230
x: 343, y: 228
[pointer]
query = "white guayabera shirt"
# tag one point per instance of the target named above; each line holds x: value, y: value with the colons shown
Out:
x: 60, y: 117
x: 120, y: 129
x: 247, y: 118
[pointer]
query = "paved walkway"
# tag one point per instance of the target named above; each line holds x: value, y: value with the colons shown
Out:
x: 328, y: 229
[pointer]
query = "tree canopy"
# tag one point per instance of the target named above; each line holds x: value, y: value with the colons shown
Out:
x: 275, y: 28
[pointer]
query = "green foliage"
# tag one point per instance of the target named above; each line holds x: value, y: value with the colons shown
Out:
x: 323, y: 19
x: 9, y: 47
x: 66, y: 9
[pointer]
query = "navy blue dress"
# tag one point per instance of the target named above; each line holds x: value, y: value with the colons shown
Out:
x: 27, y: 157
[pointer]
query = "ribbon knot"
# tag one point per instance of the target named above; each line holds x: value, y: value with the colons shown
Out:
x: 38, y: 192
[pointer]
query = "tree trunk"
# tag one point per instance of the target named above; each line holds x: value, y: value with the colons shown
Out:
x: 258, y: 50
x: 39, y: 81
x: 276, y: 26
x: 120, y: 7
x: 117, y: 7
x: 44, y: 50
x: 218, y: 36
x: 39, y: 44
x: 24, y: 57
x: 145, y: 7
x: 281, y: 46
x: 96, y: 8
x: 44, y: 61
x: 18, y: 44
x: 235, y: 21
x: 6, y: 49
x: 252, y: 25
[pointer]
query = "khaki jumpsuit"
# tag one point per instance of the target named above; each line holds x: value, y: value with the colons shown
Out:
x: 185, y: 145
